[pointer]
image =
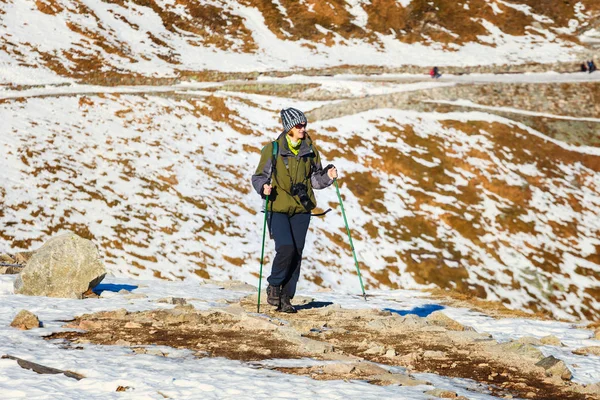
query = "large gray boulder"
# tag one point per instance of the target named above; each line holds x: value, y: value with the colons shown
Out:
x: 65, y: 266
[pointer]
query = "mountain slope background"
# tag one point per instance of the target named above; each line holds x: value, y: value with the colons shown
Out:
x: 95, y: 40
x: 480, y: 185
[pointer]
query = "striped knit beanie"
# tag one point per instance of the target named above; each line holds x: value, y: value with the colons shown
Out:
x: 291, y: 117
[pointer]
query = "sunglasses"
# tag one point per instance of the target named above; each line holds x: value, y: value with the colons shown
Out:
x: 300, y: 126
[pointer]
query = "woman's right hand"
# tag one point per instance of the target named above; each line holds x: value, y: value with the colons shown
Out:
x: 267, y: 189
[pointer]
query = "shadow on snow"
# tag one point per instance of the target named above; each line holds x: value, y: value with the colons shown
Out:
x: 112, y: 287
x: 421, y: 311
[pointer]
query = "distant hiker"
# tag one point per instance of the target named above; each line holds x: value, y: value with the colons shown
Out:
x: 289, y: 176
x: 583, y: 67
x: 435, y: 73
x: 591, y: 66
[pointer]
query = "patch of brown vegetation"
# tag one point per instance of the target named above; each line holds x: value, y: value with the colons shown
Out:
x: 216, y: 108
x: 306, y: 16
x: 50, y: 7
x: 494, y: 309
x: 213, y: 333
x: 367, y: 189
x: 423, y: 21
x: 208, y: 24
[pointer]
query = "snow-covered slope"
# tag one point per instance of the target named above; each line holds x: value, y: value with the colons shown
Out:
x: 43, y: 40
x: 161, y: 182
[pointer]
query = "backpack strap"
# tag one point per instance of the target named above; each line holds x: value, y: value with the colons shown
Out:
x: 275, y: 151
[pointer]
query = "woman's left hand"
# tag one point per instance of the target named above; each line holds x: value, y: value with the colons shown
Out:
x: 332, y: 173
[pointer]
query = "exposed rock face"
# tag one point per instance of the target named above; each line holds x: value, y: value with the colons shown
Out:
x: 555, y: 367
x: 25, y: 320
x: 65, y: 266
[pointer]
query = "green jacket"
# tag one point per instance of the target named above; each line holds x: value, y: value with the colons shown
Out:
x: 289, y: 170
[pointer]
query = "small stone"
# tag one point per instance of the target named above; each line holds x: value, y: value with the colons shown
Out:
x: 555, y: 367
x: 122, y: 342
x: 525, y: 350
x: 25, y: 320
x: 397, y: 379
x: 530, y: 395
x: 390, y: 353
x: 155, y: 352
x: 132, y: 325
x: 584, y: 351
x: 124, y: 291
x: 441, y: 319
x: 434, y: 354
x: 376, y: 350
x: 530, y: 340
x: 135, y: 296
x: 442, y: 393
x: 369, y: 368
x: 115, y: 314
x: 172, y: 300
x: 88, y: 325
x: 338, y: 369
x: 409, y: 359
x: 551, y: 340
x: 597, y: 334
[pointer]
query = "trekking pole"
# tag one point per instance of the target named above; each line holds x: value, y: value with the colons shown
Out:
x: 262, y: 253
x: 337, y: 188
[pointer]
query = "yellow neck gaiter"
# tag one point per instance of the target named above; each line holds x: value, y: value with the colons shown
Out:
x: 293, y: 148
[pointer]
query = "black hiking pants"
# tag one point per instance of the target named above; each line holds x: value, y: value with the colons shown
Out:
x: 289, y: 232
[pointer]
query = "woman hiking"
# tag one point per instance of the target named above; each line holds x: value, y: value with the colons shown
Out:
x: 289, y: 176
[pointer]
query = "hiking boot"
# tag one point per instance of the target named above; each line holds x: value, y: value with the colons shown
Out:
x: 274, y: 295
x: 286, y: 305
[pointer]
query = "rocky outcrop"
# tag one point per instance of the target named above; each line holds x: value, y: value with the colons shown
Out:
x: 25, y: 320
x: 347, y: 344
x: 65, y: 266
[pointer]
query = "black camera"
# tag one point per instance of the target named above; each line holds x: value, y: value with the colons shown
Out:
x: 300, y: 190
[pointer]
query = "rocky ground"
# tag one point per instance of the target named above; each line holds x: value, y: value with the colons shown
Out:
x: 353, y: 345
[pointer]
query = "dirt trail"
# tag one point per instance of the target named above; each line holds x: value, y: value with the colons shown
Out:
x: 359, y: 341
